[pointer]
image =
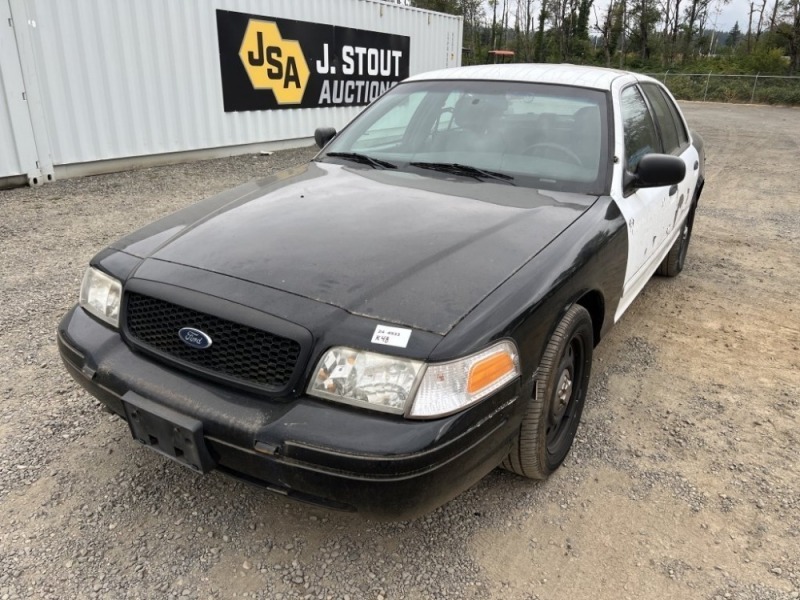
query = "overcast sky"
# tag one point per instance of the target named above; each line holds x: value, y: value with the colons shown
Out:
x: 737, y: 10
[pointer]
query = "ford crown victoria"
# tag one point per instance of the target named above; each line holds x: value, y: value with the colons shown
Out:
x: 378, y: 329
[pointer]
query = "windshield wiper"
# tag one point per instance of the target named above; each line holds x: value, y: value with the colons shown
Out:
x: 466, y: 170
x: 363, y: 158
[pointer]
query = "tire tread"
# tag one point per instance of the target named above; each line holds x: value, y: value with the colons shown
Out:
x: 524, y: 457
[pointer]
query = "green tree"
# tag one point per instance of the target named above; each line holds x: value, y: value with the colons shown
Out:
x: 446, y: 6
x: 734, y: 36
x: 617, y: 33
x: 793, y: 10
x: 472, y: 10
x: 543, y: 16
x: 644, y: 16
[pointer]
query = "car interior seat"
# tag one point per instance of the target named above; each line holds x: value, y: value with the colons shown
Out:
x: 477, y: 124
x: 586, y: 136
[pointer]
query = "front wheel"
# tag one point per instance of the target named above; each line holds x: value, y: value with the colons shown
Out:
x: 551, y: 420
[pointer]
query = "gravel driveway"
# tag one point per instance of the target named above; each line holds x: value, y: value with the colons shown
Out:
x: 684, y: 481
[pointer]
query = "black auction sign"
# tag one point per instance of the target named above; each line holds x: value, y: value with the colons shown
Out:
x: 269, y: 63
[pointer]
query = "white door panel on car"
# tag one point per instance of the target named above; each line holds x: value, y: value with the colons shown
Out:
x: 644, y: 212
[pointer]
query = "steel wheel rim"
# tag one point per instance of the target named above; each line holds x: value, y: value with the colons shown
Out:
x: 566, y: 396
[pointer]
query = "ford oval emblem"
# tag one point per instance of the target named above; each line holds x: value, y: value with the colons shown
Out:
x: 194, y: 338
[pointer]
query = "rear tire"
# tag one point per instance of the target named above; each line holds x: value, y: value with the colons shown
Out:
x: 551, y: 420
x: 676, y: 257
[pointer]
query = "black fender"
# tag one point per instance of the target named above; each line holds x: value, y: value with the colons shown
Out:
x: 588, y: 257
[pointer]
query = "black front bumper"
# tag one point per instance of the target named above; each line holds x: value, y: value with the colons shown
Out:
x: 311, y: 450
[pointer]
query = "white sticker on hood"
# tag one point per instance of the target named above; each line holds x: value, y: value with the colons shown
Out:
x: 391, y: 336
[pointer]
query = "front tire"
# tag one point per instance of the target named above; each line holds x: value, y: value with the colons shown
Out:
x: 551, y: 420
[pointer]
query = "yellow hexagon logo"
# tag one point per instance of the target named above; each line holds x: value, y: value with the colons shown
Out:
x: 273, y: 63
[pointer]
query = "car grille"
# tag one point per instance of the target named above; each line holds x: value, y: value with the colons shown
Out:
x: 238, y: 352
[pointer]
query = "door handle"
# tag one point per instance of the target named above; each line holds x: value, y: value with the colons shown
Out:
x: 673, y: 190
x: 696, y: 165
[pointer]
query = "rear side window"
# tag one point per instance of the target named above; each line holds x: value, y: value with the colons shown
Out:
x: 666, y: 122
x: 683, y: 137
x: 673, y: 131
x: 639, y: 129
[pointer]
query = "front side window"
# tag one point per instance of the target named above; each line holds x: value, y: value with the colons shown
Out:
x: 543, y: 136
x: 638, y: 128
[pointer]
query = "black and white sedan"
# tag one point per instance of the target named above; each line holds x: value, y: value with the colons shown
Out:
x: 379, y: 328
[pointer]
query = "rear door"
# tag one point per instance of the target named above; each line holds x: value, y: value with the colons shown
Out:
x: 675, y: 141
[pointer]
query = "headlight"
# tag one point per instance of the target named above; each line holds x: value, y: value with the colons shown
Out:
x: 100, y: 296
x: 365, y: 379
x: 410, y: 387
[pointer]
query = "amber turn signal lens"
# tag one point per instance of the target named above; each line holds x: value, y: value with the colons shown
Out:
x: 488, y: 370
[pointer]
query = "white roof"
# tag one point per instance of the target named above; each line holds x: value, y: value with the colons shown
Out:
x: 581, y: 76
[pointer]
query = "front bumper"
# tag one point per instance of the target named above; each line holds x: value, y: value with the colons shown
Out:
x: 311, y: 450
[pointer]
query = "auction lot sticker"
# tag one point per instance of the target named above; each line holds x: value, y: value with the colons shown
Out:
x: 269, y: 63
x: 391, y: 336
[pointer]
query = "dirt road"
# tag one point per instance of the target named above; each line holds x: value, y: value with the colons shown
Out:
x: 684, y: 481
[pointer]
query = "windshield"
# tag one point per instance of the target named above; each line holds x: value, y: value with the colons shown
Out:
x: 543, y: 136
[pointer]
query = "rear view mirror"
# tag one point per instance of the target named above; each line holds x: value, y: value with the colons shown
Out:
x: 657, y: 170
x: 323, y: 135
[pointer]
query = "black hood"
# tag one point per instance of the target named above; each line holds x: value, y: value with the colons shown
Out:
x: 404, y: 248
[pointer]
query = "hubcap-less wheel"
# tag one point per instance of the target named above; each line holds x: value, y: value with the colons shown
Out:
x: 554, y: 410
x: 566, y: 397
x: 676, y: 257
x: 563, y: 394
x: 686, y: 235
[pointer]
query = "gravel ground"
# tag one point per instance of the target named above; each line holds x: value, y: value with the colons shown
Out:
x: 683, y: 482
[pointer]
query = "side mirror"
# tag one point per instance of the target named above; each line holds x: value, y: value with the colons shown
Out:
x: 323, y: 135
x: 657, y: 170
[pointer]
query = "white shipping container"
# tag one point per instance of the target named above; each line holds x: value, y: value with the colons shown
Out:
x: 116, y: 83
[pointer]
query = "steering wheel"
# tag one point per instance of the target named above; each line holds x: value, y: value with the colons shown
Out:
x: 553, y: 146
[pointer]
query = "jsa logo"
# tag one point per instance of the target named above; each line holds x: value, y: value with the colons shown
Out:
x: 273, y: 63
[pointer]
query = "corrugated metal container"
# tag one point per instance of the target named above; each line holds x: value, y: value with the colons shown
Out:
x: 123, y: 78
x: 17, y: 150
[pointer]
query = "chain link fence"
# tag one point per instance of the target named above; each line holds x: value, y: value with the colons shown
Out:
x: 762, y: 89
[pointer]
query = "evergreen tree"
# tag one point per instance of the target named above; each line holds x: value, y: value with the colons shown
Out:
x: 734, y: 35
